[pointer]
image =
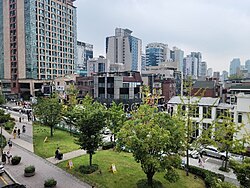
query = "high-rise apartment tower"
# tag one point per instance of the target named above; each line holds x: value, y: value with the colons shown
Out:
x: 38, y: 42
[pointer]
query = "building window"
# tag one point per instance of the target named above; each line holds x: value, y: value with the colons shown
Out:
x: 195, y: 129
x: 239, y: 117
x: 194, y: 111
x: 207, y: 112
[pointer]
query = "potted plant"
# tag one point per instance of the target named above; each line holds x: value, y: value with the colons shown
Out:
x: 29, y: 171
x: 51, y: 182
x: 15, y: 160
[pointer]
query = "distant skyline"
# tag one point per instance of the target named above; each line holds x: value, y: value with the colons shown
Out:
x: 219, y: 29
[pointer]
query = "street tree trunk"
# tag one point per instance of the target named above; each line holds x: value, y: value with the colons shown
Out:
x: 90, y: 159
x: 51, y: 131
x: 150, y: 178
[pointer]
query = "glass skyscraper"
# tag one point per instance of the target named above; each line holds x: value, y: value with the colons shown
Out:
x: 156, y: 53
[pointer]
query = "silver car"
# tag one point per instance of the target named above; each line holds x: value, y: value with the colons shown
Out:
x: 214, y: 152
x: 1, y: 169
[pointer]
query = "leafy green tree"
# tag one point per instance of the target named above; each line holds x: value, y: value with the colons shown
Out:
x: 2, y: 99
x: 68, y: 110
x: 225, y: 135
x: 242, y: 171
x: 152, y: 137
x: 3, y: 119
x: 90, y: 120
x: 48, y: 111
x: 116, y: 118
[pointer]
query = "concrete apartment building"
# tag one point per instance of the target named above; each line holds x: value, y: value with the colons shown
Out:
x: 84, y: 53
x: 39, y: 43
x: 209, y: 109
x: 97, y: 65
x: 124, y: 51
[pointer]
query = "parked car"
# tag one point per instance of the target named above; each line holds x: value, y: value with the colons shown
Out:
x: 214, y: 152
x: 193, y: 153
x: 1, y: 169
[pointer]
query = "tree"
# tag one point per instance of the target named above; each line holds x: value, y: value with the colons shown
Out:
x: 3, y: 119
x: 48, y: 111
x: 225, y: 135
x: 242, y: 171
x: 2, y: 99
x: 68, y: 111
x: 152, y: 137
x: 90, y: 120
x: 116, y: 118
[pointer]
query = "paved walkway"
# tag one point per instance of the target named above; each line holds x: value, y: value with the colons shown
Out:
x: 67, y: 156
x: 44, y: 168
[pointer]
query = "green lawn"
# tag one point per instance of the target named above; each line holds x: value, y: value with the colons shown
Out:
x: 128, y: 172
x: 60, y: 139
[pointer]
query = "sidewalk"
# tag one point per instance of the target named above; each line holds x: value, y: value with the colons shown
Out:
x: 67, y: 156
x: 44, y: 168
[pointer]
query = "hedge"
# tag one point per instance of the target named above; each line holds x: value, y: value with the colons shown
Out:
x: 209, y: 177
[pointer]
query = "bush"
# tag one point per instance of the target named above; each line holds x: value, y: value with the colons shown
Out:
x: 29, y: 169
x: 9, y: 125
x: 143, y: 183
x: 3, y: 141
x: 15, y: 160
x: 108, y: 145
x: 50, y: 182
x: 210, y: 178
x: 88, y: 169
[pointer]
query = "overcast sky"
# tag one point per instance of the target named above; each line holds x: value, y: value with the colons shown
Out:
x: 219, y: 29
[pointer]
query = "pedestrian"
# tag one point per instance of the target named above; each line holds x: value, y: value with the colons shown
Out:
x: 200, y: 161
x: 20, y: 119
x: 10, y: 143
x: 18, y: 133
x: 4, y: 158
x: 14, y: 132
x: 23, y: 128
x: 8, y: 156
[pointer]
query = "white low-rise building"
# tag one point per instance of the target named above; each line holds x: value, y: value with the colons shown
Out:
x: 207, y: 110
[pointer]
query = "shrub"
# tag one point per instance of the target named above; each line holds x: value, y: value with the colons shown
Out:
x: 88, y: 169
x: 50, y: 182
x: 3, y: 141
x: 209, y: 177
x: 29, y: 169
x: 15, y: 160
x: 108, y: 145
x: 9, y: 125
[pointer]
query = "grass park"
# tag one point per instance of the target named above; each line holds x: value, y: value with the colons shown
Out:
x: 45, y: 146
x: 128, y: 171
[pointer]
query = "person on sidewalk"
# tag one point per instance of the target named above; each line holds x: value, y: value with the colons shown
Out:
x: 14, y: 132
x: 10, y: 143
x: 8, y: 156
x: 23, y: 128
x: 18, y: 133
x: 4, y: 158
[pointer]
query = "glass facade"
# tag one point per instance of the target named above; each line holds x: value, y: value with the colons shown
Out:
x: 154, y: 56
x: 30, y: 39
x: 50, y: 38
x: 133, y: 43
x: 1, y: 43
